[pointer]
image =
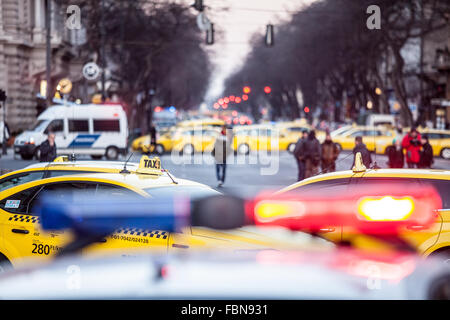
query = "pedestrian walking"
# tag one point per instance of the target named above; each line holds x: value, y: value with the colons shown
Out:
x: 311, y: 154
x: 152, y: 146
x: 426, y: 153
x: 365, y: 153
x: 220, y: 152
x: 298, y: 156
x: 395, y: 154
x: 48, y: 149
x: 411, y: 144
x: 330, y: 153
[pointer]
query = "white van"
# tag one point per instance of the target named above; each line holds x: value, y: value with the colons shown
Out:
x: 90, y: 129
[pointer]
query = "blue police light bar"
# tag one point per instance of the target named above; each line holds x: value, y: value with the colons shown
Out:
x: 104, y: 215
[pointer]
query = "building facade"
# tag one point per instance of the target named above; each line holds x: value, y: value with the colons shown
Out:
x: 23, y: 56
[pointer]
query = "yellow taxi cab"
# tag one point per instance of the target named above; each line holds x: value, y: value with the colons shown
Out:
x: 427, y: 241
x: 375, y: 138
x: 203, y: 122
x: 163, y: 142
x: 61, y: 166
x: 291, y: 131
x: 190, y: 140
x: 21, y: 236
x: 438, y: 139
x: 256, y: 138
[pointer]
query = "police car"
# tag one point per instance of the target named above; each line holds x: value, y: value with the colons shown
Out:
x: 313, y: 273
x: 22, y: 236
x: 432, y: 240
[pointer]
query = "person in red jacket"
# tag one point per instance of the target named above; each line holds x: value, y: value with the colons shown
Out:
x: 411, y: 144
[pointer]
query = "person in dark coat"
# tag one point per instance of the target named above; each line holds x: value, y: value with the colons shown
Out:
x: 311, y: 153
x: 48, y: 149
x: 365, y: 153
x: 426, y: 153
x: 222, y: 148
x: 152, y: 132
x: 330, y: 153
x: 395, y: 154
x: 298, y: 156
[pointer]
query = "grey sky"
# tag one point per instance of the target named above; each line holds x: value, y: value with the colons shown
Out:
x: 236, y: 26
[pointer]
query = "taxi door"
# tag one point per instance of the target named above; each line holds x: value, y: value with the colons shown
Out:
x: 17, y: 225
x: 264, y: 139
x: 127, y: 241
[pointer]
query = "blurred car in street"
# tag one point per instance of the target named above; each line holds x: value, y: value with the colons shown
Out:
x: 379, y: 137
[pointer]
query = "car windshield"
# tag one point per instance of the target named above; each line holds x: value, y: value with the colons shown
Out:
x: 40, y: 125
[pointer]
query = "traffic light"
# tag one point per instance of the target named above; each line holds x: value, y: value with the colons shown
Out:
x: 210, y: 34
x: 269, y: 35
x: 267, y: 89
x: 198, y: 5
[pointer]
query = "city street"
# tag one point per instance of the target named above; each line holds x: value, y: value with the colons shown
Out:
x: 245, y: 178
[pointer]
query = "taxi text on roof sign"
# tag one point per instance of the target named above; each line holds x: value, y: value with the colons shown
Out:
x: 149, y: 165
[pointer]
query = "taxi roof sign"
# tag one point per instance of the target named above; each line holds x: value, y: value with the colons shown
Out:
x: 61, y: 159
x: 359, y: 166
x: 150, y: 165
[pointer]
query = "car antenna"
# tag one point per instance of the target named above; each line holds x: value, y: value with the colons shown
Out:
x: 124, y: 170
x: 170, y: 176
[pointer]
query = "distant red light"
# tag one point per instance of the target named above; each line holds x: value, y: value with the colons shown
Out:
x: 235, y: 120
x: 115, y: 114
x: 226, y: 100
x: 232, y: 98
x: 267, y: 89
x: 220, y: 101
x: 246, y: 90
x: 158, y: 109
x: 225, y: 106
x: 245, y: 97
x: 306, y: 109
x: 234, y: 113
x: 237, y: 100
x: 216, y: 105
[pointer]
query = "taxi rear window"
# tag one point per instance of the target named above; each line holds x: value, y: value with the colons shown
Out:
x: 193, y: 192
x: 20, y: 178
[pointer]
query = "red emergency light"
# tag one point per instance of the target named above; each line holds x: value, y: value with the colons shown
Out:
x: 370, y: 209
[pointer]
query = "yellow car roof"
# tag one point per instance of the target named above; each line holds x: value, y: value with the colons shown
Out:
x: 137, y: 180
x: 83, y: 164
x: 380, y: 173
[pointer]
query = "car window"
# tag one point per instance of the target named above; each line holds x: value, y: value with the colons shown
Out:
x: 78, y: 125
x: 55, y: 126
x: 109, y: 190
x: 21, y: 178
x: 59, y: 173
x: 19, y: 202
x: 356, y: 133
x: 442, y: 187
x: 106, y: 126
x: 434, y: 136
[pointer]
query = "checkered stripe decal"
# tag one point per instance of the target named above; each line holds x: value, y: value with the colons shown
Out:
x: 24, y: 218
x: 145, y: 233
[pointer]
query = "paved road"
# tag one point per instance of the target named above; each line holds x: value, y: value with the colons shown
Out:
x: 245, y: 175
